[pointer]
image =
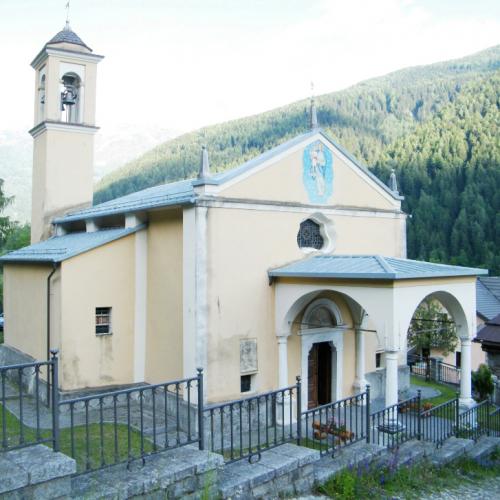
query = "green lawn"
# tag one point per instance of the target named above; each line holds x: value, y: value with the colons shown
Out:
x: 104, y: 446
x: 447, y: 392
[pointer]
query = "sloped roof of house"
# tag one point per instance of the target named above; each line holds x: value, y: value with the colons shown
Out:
x: 60, y: 248
x: 488, y: 297
x: 182, y: 192
x: 365, y: 267
x: 490, y: 332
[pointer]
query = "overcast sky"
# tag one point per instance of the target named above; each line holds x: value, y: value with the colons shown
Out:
x: 183, y: 64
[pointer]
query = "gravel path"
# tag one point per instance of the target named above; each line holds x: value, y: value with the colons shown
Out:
x: 486, y: 489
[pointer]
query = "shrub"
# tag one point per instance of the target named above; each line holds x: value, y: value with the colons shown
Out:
x: 482, y: 381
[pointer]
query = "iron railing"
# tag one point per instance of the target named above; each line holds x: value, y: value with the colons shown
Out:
x: 448, y: 374
x: 493, y: 427
x: 396, y: 424
x: 21, y: 404
x: 332, y: 426
x: 131, y: 424
x: 474, y: 422
x: 419, y: 365
x: 244, y: 428
x: 440, y: 422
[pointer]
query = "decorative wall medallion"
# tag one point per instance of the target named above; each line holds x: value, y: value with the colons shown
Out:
x: 318, y: 172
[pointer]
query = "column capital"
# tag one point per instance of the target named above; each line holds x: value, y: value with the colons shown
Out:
x: 465, y: 342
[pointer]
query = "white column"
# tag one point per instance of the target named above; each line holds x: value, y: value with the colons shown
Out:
x: 465, y: 374
x: 360, y: 381
x: 391, y: 378
x: 140, y: 316
x: 283, y: 361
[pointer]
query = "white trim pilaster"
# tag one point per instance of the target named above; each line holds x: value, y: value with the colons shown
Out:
x: 140, y: 317
x: 360, y: 381
x: 391, y: 377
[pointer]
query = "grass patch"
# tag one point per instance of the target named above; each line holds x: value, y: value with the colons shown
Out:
x: 91, y: 448
x: 371, y: 481
x: 447, y: 392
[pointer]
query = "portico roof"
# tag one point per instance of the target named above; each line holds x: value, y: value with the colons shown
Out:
x: 369, y: 267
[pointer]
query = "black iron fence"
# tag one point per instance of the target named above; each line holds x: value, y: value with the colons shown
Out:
x: 22, y: 404
x: 433, y: 369
x: 439, y: 422
x: 244, y: 428
x: 494, y: 422
x: 130, y: 424
x: 335, y: 425
x: 419, y: 365
x: 396, y: 424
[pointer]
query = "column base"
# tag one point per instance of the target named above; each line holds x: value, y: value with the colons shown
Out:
x: 360, y: 387
x: 391, y: 426
x: 466, y: 403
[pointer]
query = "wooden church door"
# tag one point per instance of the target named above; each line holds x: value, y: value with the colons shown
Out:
x: 319, y: 376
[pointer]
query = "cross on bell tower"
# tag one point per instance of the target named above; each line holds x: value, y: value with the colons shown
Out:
x: 64, y: 128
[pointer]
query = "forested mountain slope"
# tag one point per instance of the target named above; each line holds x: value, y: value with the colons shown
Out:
x: 364, y: 119
x: 449, y: 173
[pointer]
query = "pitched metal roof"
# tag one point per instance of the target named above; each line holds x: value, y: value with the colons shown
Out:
x: 60, y: 248
x: 369, y: 267
x: 176, y: 193
x: 182, y: 192
x: 487, y: 301
x: 67, y: 35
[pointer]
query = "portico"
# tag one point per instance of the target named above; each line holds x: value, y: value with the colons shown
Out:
x: 367, y: 295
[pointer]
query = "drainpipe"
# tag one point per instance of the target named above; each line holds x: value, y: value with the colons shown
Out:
x: 54, y: 269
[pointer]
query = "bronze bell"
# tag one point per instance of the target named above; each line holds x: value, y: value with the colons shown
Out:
x: 69, y: 96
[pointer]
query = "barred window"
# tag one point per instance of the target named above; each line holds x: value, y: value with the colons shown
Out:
x: 309, y: 235
x: 102, y: 320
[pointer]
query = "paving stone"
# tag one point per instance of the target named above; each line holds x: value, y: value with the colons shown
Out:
x: 254, y: 473
x: 232, y: 485
x: 281, y: 464
x: 12, y: 476
x: 49, y: 490
x: 85, y: 486
x: 41, y: 463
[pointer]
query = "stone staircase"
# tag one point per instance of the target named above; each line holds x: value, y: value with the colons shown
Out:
x: 287, y: 470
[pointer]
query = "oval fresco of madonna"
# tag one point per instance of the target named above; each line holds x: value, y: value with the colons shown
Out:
x: 318, y: 172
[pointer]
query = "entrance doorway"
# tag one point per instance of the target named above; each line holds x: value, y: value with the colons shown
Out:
x: 319, y: 378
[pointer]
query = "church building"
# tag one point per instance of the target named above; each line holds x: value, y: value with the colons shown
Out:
x: 293, y: 263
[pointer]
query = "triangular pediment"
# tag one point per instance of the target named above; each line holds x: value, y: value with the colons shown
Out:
x: 311, y: 170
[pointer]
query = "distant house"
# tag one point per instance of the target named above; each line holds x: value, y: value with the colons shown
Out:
x: 488, y: 312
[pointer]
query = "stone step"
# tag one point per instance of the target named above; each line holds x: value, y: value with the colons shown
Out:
x: 35, y: 472
x: 406, y: 454
x: 483, y: 447
x: 284, y: 470
x: 349, y: 456
x: 171, y: 474
x: 451, y: 449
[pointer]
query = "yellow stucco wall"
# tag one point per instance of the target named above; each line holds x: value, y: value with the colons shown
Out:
x: 103, y: 277
x: 25, y: 308
x: 242, y: 246
x: 164, y: 312
x: 283, y: 181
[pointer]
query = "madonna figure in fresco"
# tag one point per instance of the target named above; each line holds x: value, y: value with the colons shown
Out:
x: 318, y: 166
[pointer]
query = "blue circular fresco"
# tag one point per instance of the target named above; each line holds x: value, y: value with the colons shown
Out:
x: 318, y: 172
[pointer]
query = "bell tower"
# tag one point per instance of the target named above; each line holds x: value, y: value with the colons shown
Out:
x: 64, y: 128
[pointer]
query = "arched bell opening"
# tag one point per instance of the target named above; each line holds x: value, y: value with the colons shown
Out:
x: 71, y: 99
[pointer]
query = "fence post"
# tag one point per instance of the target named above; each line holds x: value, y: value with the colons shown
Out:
x: 368, y: 413
x: 457, y: 415
x: 299, y: 409
x: 55, y: 399
x: 419, y: 417
x: 488, y: 416
x: 201, y: 426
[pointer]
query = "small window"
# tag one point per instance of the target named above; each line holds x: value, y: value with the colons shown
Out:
x: 378, y: 360
x: 246, y: 383
x: 458, y: 359
x: 102, y: 320
x: 309, y: 235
